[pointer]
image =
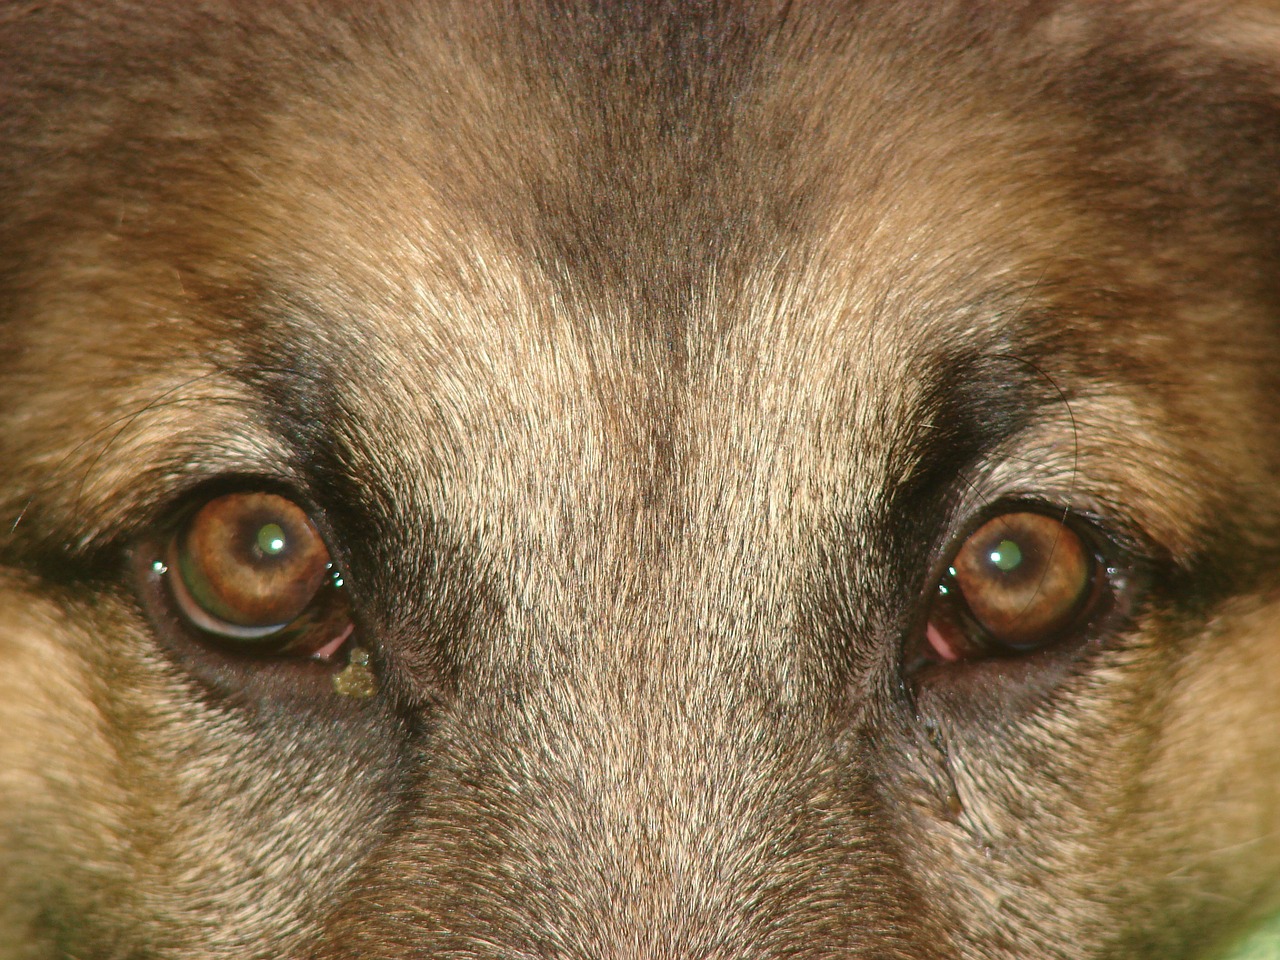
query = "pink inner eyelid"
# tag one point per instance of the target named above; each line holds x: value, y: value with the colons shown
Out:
x: 940, y: 644
x: 333, y: 646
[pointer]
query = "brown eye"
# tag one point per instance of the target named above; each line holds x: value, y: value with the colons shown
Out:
x: 251, y: 569
x: 1019, y: 582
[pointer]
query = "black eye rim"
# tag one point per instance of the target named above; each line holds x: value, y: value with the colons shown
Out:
x: 149, y: 546
x: 1115, y: 552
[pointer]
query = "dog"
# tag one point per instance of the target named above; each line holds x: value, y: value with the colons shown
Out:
x: 606, y: 480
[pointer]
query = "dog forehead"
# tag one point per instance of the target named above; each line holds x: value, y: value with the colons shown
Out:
x: 529, y: 256
x: 753, y: 265
x: 573, y: 282
x: 528, y: 260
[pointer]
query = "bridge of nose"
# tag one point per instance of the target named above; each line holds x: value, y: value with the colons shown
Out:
x: 650, y: 750
x: 660, y: 817
x: 655, y: 758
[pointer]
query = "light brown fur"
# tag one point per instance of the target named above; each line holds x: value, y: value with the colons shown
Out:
x: 641, y: 363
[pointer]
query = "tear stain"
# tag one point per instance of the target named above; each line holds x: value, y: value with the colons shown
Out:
x: 952, y: 806
x: 356, y: 679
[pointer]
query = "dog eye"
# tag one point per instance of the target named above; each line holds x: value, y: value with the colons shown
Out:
x: 1018, y: 583
x: 252, y: 571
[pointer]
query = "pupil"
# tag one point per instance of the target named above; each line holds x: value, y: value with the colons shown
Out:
x: 1007, y: 556
x: 271, y: 539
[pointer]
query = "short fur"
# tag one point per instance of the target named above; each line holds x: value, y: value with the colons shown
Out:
x: 642, y: 362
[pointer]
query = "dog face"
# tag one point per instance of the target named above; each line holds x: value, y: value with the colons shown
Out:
x: 647, y: 481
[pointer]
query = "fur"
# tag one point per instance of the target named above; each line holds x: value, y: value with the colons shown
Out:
x: 641, y: 363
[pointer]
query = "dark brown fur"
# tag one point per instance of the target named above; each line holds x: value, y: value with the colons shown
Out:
x: 642, y: 363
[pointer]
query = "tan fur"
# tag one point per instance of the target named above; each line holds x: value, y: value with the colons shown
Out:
x: 641, y: 363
